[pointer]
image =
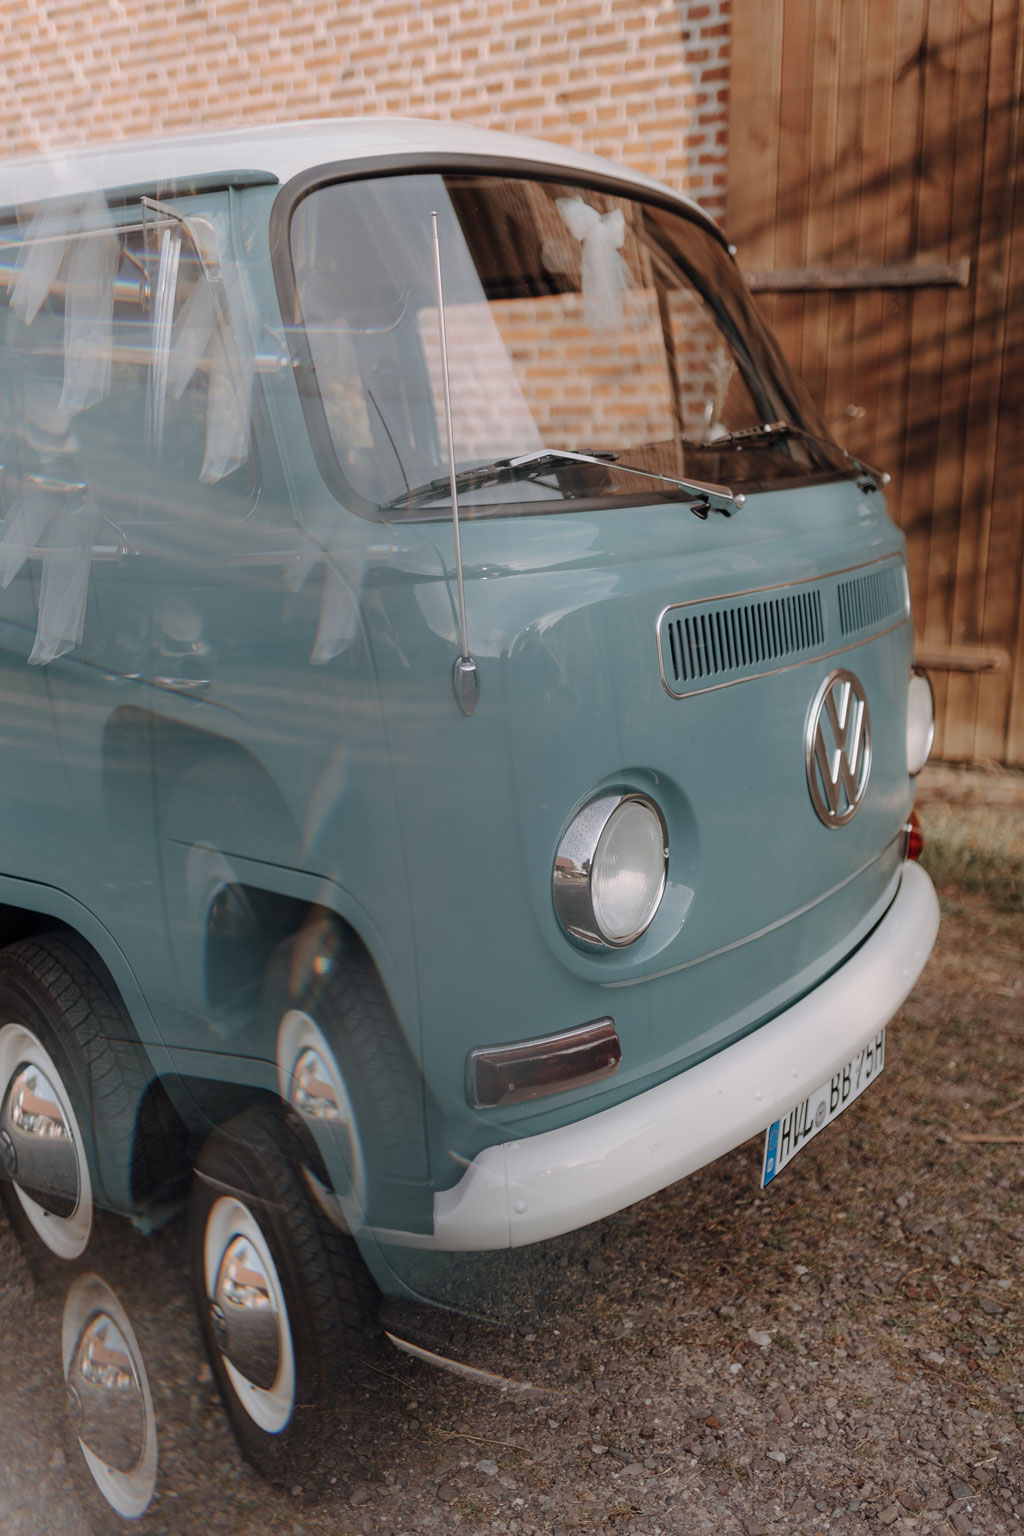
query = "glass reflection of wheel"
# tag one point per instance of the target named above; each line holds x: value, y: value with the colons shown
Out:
x: 345, y: 1069
x: 111, y: 1425
x: 279, y: 1315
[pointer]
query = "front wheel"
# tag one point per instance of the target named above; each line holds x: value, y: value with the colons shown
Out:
x: 278, y: 1297
x: 60, y: 1086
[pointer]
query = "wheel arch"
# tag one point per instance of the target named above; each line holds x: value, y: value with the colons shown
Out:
x: 175, y: 1110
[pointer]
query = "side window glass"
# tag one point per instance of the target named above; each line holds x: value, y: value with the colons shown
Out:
x: 126, y: 390
x: 199, y: 350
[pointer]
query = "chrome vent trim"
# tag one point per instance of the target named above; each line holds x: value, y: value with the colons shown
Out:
x: 869, y: 601
x: 713, y: 643
x: 720, y: 641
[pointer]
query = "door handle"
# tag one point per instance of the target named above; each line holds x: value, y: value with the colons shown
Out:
x: 183, y: 684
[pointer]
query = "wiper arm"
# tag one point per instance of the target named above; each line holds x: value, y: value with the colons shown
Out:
x: 524, y: 466
x: 776, y: 429
x: 706, y: 495
x: 497, y: 473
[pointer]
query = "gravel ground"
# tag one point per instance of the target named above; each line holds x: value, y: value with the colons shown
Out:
x: 841, y: 1353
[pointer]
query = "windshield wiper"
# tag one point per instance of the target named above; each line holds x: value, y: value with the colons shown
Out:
x: 706, y: 497
x: 873, y: 479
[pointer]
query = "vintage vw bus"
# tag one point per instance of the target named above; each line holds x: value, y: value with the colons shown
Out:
x: 460, y: 720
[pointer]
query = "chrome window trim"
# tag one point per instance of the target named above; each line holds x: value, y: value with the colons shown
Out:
x: 571, y: 872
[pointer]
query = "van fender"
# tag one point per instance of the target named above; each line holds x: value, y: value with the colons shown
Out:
x: 316, y: 891
x: 50, y: 901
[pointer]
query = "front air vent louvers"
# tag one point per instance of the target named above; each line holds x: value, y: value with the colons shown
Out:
x: 719, y: 641
x: 871, y: 600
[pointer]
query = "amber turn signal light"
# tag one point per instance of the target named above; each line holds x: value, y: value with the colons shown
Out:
x: 510, y: 1074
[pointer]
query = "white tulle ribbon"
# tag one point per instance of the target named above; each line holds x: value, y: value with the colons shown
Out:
x: 64, y: 589
x: 192, y: 333
x: 64, y: 538
x: 603, y: 270
x: 39, y: 261
x: 89, y: 310
x: 87, y: 239
x: 23, y: 529
x: 227, y: 341
x: 344, y: 560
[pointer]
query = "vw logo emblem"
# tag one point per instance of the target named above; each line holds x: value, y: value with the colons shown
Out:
x: 838, y: 748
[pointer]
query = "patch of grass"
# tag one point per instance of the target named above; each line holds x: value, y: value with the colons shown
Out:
x: 976, y: 848
x: 473, y: 1508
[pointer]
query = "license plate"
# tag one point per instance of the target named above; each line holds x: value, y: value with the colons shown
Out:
x: 787, y: 1136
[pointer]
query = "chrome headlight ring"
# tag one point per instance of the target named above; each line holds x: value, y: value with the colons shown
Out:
x: 920, y: 720
x: 588, y: 859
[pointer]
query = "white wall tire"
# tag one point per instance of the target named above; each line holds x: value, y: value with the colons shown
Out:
x: 65, y: 1032
x: 333, y: 1126
x: 270, y: 1408
x: 287, y: 1390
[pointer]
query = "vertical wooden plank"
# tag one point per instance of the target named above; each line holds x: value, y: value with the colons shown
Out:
x: 962, y: 467
x: 813, y: 360
x: 754, y: 131
x: 1000, y: 728
x: 753, y: 172
x: 794, y: 180
x: 900, y: 214
x: 860, y: 432
x: 813, y: 54
x: 931, y: 503
x: 849, y: 194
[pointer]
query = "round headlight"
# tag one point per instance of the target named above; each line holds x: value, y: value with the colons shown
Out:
x: 610, y: 871
x: 920, y: 720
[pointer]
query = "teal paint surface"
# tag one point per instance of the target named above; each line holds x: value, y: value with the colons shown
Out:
x: 260, y: 701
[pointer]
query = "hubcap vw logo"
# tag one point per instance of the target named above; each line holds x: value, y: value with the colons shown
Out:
x: 838, y: 748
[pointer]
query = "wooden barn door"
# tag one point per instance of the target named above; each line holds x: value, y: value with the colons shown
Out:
x: 876, y: 195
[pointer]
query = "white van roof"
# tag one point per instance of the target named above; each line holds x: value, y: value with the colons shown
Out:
x: 279, y: 151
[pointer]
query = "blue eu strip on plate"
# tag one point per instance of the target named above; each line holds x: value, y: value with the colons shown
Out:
x: 786, y: 1137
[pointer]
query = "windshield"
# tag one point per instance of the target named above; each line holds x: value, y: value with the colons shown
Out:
x: 576, y: 318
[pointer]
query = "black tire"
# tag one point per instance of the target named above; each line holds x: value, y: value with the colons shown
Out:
x: 324, y: 973
x: 59, y: 1010
x: 250, y: 1188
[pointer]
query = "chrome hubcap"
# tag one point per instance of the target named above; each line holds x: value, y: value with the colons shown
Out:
x: 42, y: 1150
x: 36, y: 1143
x: 248, y: 1316
x: 311, y: 1082
x: 313, y: 1093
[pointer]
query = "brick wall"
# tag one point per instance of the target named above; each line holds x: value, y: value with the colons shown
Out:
x: 646, y: 83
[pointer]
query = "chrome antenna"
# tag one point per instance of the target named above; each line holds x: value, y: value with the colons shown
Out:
x: 465, y: 677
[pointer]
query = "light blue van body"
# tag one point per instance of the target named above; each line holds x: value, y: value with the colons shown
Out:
x: 254, y: 719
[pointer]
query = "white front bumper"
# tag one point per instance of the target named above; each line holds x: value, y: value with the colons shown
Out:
x: 524, y: 1191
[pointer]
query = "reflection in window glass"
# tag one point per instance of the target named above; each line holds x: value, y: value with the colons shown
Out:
x: 575, y: 319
